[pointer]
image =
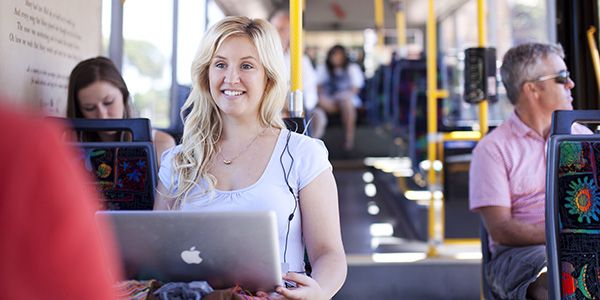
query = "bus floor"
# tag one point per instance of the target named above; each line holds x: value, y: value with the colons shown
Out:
x: 384, y: 236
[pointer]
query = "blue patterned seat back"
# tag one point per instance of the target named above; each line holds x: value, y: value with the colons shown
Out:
x: 124, y: 173
x: 578, y: 210
x: 573, y: 208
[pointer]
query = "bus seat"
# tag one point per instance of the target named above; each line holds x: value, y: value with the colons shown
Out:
x: 139, y: 128
x: 486, y: 255
x: 124, y: 172
x: 295, y: 124
x: 176, y: 129
x: 373, y: 102
x: 573, y: 208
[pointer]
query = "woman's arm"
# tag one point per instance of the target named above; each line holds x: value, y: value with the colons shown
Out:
x: 162, y: 142
x: 321, y: 230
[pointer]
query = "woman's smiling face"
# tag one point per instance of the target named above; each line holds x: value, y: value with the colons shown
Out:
x: 237, y: 78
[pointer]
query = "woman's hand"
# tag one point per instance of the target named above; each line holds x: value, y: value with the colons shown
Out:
x: 307, y: 288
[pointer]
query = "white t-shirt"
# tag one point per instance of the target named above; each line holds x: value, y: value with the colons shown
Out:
x: 269, y: 192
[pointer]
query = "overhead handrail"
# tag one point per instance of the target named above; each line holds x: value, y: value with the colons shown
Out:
x: 594, y: 53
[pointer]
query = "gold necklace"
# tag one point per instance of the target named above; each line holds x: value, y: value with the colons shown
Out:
x: 229, y: 161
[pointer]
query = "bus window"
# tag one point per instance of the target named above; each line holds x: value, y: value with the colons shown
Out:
x: 191, y: 24
x: 528, y: 23
x: 148, y: 35
x: 194, y: 17
x: 106, y: 22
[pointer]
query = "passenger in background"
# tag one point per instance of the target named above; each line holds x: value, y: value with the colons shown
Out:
x: 359, y: 58
x: 51, y: 246
x: 507, y: 179
x: 311, y: 53
x: 97, y: 91
x: 237, y: 155
x: 316, y: 116
x: 340, y: 82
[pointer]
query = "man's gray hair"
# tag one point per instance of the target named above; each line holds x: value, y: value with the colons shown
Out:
x: 521, y: 64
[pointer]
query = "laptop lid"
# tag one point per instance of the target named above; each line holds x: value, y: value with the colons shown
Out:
x: 223, y: 248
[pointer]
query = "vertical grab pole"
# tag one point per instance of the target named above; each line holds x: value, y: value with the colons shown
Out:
x: 400, y: 26
x: 481, y: 33
x: 379, y: 22
x: 432, y: 139
x: 296, y: 105
x: 483, y: 105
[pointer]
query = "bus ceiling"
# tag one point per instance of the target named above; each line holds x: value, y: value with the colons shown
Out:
x: 344, y: 15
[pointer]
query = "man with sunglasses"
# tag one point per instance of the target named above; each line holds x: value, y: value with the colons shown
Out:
x: 507, y: 179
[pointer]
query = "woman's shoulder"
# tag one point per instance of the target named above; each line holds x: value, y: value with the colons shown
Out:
x: 354, y: 68
x: 169, y: 154
x: 162, y: 137
x: 353, y: 65
x: 298, y: 137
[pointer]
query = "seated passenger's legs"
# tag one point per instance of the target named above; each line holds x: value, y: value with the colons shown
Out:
x: 344, y: 104
x: 318, y: 122
x: 515, y: 272
x: 328, y: 104
x: 349, y: 120
x: 538, y: 290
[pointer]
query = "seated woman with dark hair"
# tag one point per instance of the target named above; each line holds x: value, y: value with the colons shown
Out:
x: 97, y: 91
x: 340, y: 82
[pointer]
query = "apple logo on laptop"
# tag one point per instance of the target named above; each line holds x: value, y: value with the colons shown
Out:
x: 191, y: 256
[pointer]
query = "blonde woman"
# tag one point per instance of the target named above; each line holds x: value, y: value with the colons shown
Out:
x: 237, y: 155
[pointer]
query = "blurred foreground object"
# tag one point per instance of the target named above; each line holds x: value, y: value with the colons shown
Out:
x: 51, y: 245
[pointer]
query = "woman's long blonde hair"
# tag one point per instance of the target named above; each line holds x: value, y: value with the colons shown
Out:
x: 203, y: 125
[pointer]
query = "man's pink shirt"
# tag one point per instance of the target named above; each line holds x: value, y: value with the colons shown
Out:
x: 508, y: 169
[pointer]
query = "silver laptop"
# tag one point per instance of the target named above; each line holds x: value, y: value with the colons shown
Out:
x: 223, y: 248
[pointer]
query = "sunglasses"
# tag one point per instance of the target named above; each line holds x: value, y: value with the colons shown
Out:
x: 562, y: 77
